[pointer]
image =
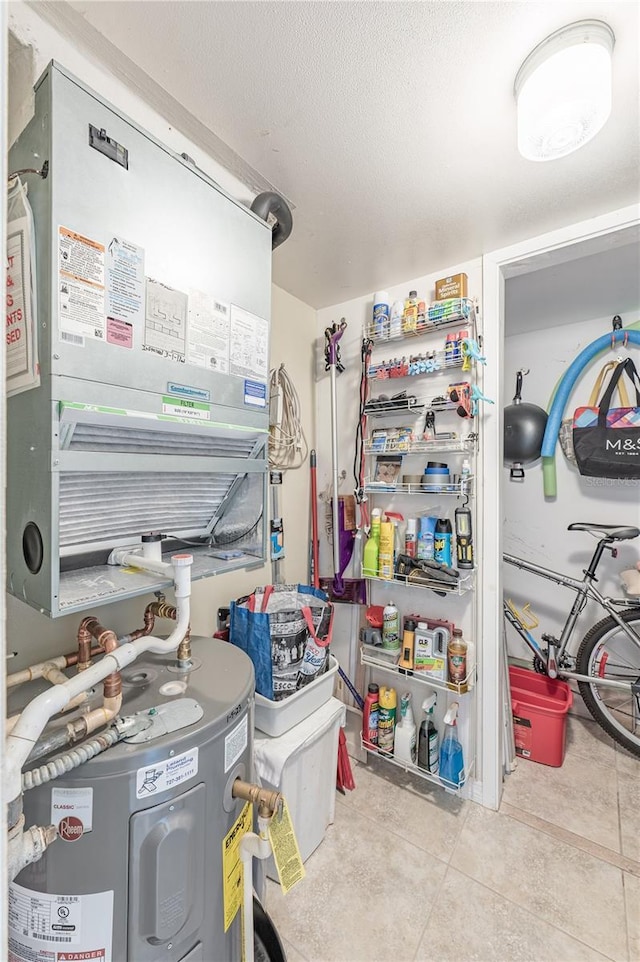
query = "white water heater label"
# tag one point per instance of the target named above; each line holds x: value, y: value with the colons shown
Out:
x: 59, y: 928
x: 72, y: 811
x: 80, y: 286
x: 154, y: 779
x: 235, y: 743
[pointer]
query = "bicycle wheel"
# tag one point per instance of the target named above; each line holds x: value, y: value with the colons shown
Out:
x: 606, y: 652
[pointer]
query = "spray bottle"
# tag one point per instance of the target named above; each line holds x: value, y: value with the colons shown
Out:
x: 451, y: 758
x: 428, y: 738
x: 372, y: 547
x: 405, y: 738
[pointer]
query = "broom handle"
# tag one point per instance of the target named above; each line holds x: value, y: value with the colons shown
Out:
x: 314, y: 521
x: 334, y: 459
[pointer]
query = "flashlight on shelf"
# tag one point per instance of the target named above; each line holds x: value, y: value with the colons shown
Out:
x: 464, y: 540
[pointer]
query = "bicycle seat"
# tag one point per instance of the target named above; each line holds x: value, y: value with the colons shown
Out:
x: 610, y: 531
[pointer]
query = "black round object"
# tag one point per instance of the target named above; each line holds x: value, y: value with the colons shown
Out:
x: 524, y: 426
x: 32, y: 547
x: 267, y: 946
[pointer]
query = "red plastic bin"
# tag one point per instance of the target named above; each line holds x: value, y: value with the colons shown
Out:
x: 539, y: 706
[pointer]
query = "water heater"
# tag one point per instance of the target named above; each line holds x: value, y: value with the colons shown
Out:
x: 145, y: 401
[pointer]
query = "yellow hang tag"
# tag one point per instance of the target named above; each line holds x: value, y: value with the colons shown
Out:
x: 232, y: 873
x: 286, y: 853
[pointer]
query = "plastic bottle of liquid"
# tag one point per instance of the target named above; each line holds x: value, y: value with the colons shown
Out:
x: 457, y: 661
x: 451, y: 757
x: 410, y: 315
x: 399, y: 530
x: 391, y: 628
x: 465, y: 471
x: 387, y: 701
x: 405, y: 738
x: 381, y: 313
x: 370, y: 717
x: 428, y: 758
x: 385, y: 551
x: 442, y: 541
x: 395, y: 322
x: 405, y: 664
x: 411, y: 538
x: 426, y: 538
x: 372, y: 547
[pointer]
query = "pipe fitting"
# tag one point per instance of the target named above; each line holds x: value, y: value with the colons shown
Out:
x: 269, y: 802
x: 26, y: 847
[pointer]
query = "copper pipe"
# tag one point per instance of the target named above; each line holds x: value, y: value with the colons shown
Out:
x: 84, y: 644
x: 74, y: 659
x: 149, y: 621
x: 109, y: 641
x: 162, y: 610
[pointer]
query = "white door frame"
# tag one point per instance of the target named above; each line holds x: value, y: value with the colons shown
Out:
x: 4, y: 78
x: 496, y: 267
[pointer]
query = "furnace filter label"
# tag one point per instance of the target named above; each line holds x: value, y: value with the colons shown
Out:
x: 59, y: 928
x: 155, y: 779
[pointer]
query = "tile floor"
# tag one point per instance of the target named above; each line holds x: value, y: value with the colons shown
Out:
x: 408, y: 873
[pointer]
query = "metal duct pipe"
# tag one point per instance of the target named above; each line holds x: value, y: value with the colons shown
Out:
x: 271, y: 203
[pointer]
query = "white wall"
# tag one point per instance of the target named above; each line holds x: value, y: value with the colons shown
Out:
x: 535, y: 527
x: 292, y: 333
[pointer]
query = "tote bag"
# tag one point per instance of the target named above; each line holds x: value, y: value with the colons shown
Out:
x: 286, y: 631
x: 606, y: 440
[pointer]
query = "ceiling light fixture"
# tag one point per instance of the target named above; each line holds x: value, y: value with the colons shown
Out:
x: 563, y: 90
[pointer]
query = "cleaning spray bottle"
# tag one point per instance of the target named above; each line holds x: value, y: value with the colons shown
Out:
x: 372, y: 547
x: 405, y: 739
x: 428, y: 738
x: 451, y: 760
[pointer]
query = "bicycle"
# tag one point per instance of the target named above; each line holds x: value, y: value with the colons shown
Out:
x: 607, y: 663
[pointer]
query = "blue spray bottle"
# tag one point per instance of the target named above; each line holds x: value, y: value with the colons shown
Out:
x: 451, y: 760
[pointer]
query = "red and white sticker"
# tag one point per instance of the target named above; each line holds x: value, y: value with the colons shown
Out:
x: 59, y: 928
x: 72, y: 812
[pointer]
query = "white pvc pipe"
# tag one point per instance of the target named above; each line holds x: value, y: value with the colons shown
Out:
x: 252, y: 846
x: 133, y: 560
x: 35, y: 671
x: 37, y: 713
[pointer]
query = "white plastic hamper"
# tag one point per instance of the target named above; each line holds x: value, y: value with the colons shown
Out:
x: 302, y: 764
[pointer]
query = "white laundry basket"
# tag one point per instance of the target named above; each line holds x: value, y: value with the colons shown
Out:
x: 302, y: 764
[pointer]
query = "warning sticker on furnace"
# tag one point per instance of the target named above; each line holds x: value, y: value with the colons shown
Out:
x: 59, y: 928
x: 80, y: 286
x: 154, y: 779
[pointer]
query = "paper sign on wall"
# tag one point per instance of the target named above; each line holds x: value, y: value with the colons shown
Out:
x: 22, y: 368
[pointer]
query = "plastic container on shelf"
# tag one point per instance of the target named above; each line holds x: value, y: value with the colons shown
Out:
x: 302, y: 765
x: 539, y: 705
x: 276, y: 717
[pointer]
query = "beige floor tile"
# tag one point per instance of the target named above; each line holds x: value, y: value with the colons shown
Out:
x: 586, y: 739
x: 470, y: 923
x: 629, y: 800
x: 535, y: 870
x: 408, y: 806
x: 354, y: 894
x: 632, y: 900
x: 292, y: 953
x: 627, y: 763
x: 558, y: 795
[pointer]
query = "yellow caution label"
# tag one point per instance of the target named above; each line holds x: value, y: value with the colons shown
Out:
x: 286, y: 853
x: 232, y: 873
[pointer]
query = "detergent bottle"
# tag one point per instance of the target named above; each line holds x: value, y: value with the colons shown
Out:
x: 385, y: 550
x: 405, y: 738
x: 372, y: 547
x: 451, y: 759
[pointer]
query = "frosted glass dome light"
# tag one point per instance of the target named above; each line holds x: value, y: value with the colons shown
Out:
x: 563, y: 90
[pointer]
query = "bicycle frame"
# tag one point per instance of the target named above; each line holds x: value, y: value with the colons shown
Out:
x: 584, y: 589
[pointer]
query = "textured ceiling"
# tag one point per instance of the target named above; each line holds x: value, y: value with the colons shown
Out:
x: 391, y: 126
